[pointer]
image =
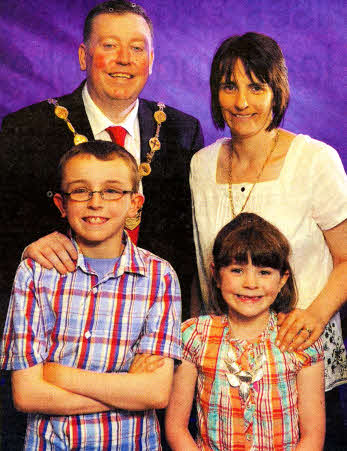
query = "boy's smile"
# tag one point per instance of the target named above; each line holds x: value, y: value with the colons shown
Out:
x: 98, y: 224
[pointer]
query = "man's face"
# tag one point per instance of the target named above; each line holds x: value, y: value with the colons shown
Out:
x: 118, y: 58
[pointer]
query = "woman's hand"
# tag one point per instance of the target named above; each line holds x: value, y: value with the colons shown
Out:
x: 299, y: 329
x: 146, y: 363
x: 53, y: 251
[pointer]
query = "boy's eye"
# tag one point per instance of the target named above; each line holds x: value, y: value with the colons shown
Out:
x: 79, y: 191
x: 112, y: 191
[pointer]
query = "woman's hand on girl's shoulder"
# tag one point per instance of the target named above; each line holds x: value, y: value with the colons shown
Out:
x: 298, y: 329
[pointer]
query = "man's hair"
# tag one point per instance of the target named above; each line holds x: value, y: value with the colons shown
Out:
x: 114, y: 7
x: 106, y: 151
x: 261, y: 56
x: 250, y: 236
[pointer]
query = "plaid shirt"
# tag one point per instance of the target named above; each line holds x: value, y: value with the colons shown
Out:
x: 98, y: 325
x: 269, y: 418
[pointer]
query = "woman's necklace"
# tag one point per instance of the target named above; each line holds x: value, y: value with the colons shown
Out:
x: 256, y: 180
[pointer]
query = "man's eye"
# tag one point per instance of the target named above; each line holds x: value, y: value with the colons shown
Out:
x: 137, y: 48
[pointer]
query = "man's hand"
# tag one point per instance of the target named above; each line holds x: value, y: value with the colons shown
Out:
x: 146, y: 363
x: 53, y: 251
x: 299, y: 329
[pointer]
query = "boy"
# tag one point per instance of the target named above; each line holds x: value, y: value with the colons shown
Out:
x: 71, y: 339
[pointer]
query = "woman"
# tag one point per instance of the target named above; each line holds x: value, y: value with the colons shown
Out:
x: 293, y: 181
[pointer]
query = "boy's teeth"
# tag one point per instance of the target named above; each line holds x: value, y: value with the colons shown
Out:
x: 95, y: 220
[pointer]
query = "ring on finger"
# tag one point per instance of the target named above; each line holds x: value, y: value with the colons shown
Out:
x: 306, y: 329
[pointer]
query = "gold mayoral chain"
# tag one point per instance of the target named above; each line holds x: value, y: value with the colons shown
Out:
x: 63, y: 113
x: 144, y: 169
x: 230, y: 187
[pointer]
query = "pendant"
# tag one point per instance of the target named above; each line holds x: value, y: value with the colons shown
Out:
x: 237, y: 377
x: 132, y: 223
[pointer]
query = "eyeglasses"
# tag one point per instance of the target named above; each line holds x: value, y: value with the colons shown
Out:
x: 83, y: 194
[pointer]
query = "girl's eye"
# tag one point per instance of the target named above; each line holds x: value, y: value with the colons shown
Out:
x: 236, y: 270
x: 265, y: 272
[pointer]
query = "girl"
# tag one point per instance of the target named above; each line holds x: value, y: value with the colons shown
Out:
x: 250, y: 394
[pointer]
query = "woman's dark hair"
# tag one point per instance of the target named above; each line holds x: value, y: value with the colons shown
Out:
x: 261, y: 56
x: 249, y: 235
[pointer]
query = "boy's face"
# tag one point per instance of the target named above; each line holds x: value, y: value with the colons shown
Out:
x: 97, y: 223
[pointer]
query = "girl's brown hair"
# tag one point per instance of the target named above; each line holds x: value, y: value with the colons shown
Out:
x: 250, y: 236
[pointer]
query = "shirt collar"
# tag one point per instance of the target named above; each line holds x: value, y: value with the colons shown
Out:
x: 99, y: 122
x: 130, y: 261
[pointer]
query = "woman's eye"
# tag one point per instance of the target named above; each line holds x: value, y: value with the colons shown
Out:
x: 256, y: 88
x: 228, y: 88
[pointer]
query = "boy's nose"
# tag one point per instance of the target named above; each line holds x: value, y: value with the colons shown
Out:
x: 96, y: 200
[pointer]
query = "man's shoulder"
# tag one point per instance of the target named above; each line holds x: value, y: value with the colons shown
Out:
x: 173, y: 114
x: 35, y: 112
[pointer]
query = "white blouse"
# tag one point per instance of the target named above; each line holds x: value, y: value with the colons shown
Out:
x: 310, y: 195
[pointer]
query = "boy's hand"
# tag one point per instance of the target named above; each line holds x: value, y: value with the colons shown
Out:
x: 146, y: 363
x: 53, y: 251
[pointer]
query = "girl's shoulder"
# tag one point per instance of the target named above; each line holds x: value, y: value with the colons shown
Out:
x: 202, y: 325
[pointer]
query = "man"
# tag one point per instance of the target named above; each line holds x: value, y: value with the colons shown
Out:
x: 117, y: 55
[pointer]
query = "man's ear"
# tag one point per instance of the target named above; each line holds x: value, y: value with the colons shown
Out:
x: 59, y: 203
x: 82, y: 50
x: 137, y: 201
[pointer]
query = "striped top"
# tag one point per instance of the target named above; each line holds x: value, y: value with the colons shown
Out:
x: 98, y: 325
x: 268, y: 420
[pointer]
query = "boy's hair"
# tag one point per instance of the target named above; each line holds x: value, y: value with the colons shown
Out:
x: 249, y: 235
x: 261, y: 56
x: 103, y: 150
x: 114, y: 7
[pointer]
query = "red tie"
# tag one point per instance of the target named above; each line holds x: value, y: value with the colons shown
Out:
x: 118, y: 134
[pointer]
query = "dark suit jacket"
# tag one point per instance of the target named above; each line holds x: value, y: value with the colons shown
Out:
x: 33, y: 140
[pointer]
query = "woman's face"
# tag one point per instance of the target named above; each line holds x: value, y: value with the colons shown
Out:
x: 246, y: 104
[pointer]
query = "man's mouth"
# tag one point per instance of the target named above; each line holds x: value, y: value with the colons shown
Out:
x: 121, y: 75
x: 95, y: 220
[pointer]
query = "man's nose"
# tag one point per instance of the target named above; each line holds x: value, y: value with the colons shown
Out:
x: 123, y: 55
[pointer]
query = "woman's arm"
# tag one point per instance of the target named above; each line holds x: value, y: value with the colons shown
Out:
x: 293, y: 332
x: 310, y: 383
x: 131, y: 391
x: 180, y: 405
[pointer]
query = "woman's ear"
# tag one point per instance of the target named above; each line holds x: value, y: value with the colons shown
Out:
x: 59, y: 203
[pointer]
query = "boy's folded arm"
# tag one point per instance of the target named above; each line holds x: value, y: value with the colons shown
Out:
x: 130, y: 391
x: 31, y: 393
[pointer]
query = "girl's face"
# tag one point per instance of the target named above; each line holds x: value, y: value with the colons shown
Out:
x: 249, y: 290
x: 246, y: 104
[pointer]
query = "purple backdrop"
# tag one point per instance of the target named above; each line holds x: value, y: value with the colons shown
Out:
x: 39, y: 41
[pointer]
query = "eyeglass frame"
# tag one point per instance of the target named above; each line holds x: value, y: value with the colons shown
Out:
x: 91, y: 193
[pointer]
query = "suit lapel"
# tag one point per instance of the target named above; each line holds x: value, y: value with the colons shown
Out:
x: 77, y: 113
x: 147, y: 127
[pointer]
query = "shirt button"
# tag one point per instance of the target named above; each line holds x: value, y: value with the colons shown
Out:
x: 248, y: 436
x: 243, y: 188
x: 87, y: 335
x: 94, y: 290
